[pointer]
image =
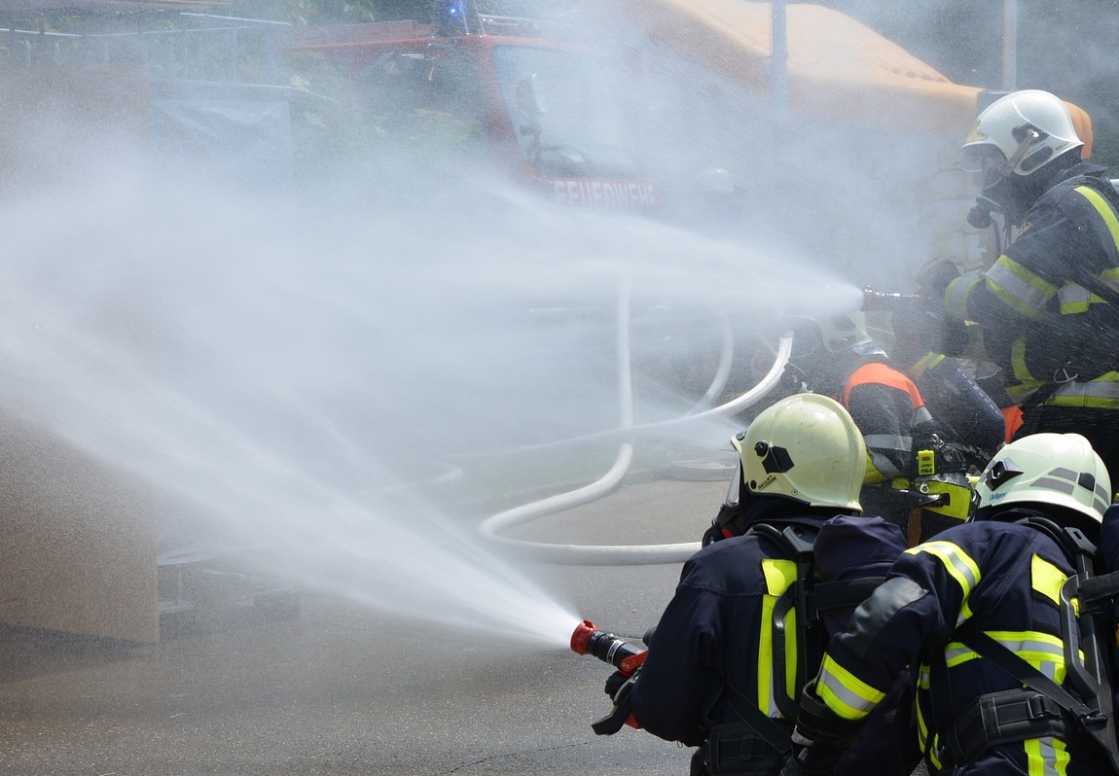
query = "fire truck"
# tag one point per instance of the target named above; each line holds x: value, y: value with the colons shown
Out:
x: 513, y: 91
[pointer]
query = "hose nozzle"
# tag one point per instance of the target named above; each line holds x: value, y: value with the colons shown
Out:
x: 589, y: 640
x: 888, y: 301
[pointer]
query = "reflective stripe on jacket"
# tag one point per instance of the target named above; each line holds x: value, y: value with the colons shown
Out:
x: 1002, y: 578
x: 1047, y: 304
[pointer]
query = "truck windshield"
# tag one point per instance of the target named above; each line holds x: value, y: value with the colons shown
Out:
x: 567, y: 112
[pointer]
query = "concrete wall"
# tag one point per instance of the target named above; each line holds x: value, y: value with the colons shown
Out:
x: 77, y: 540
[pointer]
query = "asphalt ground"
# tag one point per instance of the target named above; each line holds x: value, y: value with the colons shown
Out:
x: 346, y: 690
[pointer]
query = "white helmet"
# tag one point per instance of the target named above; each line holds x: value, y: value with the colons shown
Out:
x: 844, y: 332
x: 1060, y: 470
x: 1018, y: 134
x: 806, y: 448
x: 837, y: 333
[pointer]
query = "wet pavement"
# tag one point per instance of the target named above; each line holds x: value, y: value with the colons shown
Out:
x: 346, y: 690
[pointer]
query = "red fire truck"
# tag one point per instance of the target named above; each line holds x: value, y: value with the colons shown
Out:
x: 544, y: 108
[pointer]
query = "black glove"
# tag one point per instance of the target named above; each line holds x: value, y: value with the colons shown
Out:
x: 614, y: 683
x: 810, y: 758
x: 820, y: 737
x: 623, y: 706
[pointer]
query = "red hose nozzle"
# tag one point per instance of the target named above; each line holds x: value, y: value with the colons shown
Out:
x: 589, y: 640
x: 582, y: 636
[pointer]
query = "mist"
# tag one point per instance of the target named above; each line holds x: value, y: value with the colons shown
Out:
x: 290, y: 369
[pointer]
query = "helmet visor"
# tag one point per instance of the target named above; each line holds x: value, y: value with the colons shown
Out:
x: 981, y: 157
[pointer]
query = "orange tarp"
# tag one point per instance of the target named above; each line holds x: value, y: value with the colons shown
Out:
x: 838, y: 68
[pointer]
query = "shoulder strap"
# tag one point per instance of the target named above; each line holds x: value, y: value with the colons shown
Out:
x: 1017, y: 667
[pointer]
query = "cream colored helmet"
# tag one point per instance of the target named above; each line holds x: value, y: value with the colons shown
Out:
x: 1060, y: 470
x: 806, y: 448
x: 844, y: 332
x: 1019, y: 133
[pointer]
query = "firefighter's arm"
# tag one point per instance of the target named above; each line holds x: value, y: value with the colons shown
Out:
x: 667, y: 700
x: 1021, y: 283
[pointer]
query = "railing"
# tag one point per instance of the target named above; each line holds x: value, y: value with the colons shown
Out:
x: 193, y: 46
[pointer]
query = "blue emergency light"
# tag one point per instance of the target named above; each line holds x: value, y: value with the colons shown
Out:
x: 449, y: 17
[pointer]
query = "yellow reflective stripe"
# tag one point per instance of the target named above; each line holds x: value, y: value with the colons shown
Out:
x: 925, y: 363
x: 1111, y: 278
x: 1046, y: 757
x: 1027, y: 383
x: 1047, y: 579
x: 843, y: 692
x: 873, y: 475
x: 1044, y: 652
x: 957, y: 563
x: 957, y: 293
x: 1076, y: 299
x: 931, y: 753
x: 922, y: 728
x: 779, y: 574
x: 927, y: 746
x: 1104, y: 209
x: 1019, y: 288
x: 1102, y: 393
x: 1040, y: 650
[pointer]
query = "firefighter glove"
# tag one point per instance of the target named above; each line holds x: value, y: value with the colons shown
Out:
x: 617, y: 681
x: 820, y: 737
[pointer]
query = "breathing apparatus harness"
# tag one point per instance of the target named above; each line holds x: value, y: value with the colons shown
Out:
x: 1043, y: 707
x: 732, y: 746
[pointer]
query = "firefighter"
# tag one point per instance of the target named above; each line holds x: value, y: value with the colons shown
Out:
x: 913, y: 477
x: 1048, y: 308
x: 927, y: 348
x: 970, y: 608
x: 718, y: 675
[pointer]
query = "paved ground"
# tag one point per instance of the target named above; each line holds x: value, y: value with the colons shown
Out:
x: 344, y: 690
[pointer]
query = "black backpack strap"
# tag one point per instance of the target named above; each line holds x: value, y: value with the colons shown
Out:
x: 828, y: 596
x: 1095, y: 591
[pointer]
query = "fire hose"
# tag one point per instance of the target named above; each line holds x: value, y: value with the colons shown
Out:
x: 618, y: 555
